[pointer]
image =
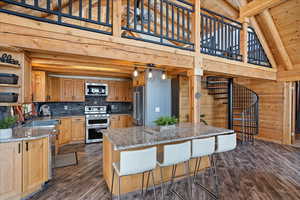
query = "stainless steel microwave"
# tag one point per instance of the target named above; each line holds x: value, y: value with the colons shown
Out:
x: 96, y: 89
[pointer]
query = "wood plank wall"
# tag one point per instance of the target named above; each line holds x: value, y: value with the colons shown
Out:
x: 215, y: 111
x: 271, y: 107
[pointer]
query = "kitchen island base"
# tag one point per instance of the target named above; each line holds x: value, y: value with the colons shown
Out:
x: 134, y: 182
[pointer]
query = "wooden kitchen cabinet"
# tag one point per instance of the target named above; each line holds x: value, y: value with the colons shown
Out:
x: 27, y: 81
x: 120, y: 121
x: 35, y: 164
x: 78, y: 129
x: 10, y: 170
x: 79, y: 90
x: 39, y: 86
x: 119, y: 91
x: 53, y: 89
x: 139, y: 80
x: 72, y: 90
x: 65, y: 131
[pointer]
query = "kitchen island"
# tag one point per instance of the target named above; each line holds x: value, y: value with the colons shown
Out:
x: 134, y: 138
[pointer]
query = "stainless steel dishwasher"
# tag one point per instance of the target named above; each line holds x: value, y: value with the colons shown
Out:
x: 52, y: 151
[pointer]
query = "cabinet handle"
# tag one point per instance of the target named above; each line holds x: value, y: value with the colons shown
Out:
x: 19, y: 148
x: 27, y: 146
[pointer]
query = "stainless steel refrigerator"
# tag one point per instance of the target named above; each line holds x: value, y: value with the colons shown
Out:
x: 139, y: 106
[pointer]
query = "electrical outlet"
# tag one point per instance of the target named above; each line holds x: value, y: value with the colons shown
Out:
x: 66, y: 107
x: 157, y: 109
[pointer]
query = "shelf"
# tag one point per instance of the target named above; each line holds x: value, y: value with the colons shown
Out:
x: 10, y: 85
x: 9, y: 65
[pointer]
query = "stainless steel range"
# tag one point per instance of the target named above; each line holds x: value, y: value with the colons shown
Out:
x: 97, y: 120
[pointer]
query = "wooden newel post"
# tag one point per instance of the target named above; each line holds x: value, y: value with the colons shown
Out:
x: 244, y: 40
x: 117, y: 18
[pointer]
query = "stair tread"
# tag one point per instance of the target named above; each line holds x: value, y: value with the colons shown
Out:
x: 216, y: 82
x: 218, y: 93
x: 240, y: 119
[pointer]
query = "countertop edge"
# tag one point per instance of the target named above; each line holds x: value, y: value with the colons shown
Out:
x: 8, y: 140
x: 116, y: 148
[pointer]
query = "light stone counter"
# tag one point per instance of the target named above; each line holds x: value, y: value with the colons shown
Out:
x: 139, y: 136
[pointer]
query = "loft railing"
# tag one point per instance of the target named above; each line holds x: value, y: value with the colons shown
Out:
x: 256, y: 53
x: 165, y: 22
x: 94, y: 16
x: 220, y: 36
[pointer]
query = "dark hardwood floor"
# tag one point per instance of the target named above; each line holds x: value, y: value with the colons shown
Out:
x: 261, y: 171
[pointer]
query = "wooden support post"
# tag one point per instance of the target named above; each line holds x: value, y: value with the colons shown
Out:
x: 196, y: 24
x: 244, y: 40
x: 117, y: 18
x: 287, y: 114
x: 197, y: 72
x: 195, y: 92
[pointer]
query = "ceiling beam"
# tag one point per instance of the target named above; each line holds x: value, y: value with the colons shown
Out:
x: 261, y: 37
x: 257, y: 6
x: 277, y: 39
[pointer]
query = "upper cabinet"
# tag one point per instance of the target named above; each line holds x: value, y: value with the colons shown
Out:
x: 72, y: 90
x: 15, y: 81
x: 54, y: 89
x: 119, y: 91
x: 139, y: 80
x: 39, y: 86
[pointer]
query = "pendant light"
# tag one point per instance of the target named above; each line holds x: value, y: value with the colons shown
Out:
x: 135, y: 72
x: 150, y: 75
x: 163, y: 76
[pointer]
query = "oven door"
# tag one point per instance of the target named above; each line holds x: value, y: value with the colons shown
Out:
x: 94, y: 121
x: 94, y: 134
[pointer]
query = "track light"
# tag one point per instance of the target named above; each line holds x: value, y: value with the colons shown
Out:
x: 150, y: 75
x: 135, y: 72
x: 163, y: 76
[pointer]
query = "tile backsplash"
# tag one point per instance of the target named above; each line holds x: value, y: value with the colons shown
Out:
x: 77, y: 108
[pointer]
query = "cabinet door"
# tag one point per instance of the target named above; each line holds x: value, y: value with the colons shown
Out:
x: 53, y: 89
x: 67, y: 88
x: 130, y: 92
x: 129, y: 121
x: 115, y: 121
x: 35, y: 164
x: 111, y: 91
x: 79, y: 94
x: 65, y: 129
x: 10, y: 170
x: 39, y: 86
x: 78, y: 129
x: 123, y: 121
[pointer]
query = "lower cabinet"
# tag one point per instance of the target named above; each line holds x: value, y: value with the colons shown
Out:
x: 71, y: 129
x: 10, y: 170
x: 78, y: 129
x: 23, y: 167
x: 35, y: 164
x: 120, y: 121
x: 65, y: 131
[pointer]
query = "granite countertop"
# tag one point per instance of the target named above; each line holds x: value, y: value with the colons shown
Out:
x: 29, y: 133
x: 139, y: 136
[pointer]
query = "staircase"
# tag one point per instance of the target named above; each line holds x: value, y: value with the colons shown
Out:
x: 244, y: 108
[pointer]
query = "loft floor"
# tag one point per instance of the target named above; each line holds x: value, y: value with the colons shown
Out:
x: 260, y: 172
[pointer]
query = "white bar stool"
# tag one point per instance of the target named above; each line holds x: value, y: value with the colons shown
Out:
x: 135, y: 162
x: 200, y: 148
x: 173, y: 155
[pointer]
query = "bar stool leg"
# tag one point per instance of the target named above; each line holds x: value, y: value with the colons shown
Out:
x: 162, y: 184
x: 143, y: 184
x: 112, y: 184
x: 189, y: 182
x: 215, y: 176
x: 119, y: 183
x: 154, y: 188
x: 148, y: 181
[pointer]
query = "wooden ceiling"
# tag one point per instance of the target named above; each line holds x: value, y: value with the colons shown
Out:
x: 279, y: 21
